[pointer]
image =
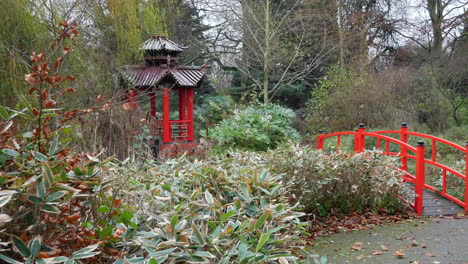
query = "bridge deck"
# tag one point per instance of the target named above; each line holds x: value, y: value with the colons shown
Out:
x: 435, y: 204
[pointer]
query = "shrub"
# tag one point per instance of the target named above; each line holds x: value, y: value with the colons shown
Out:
x: 218, y: 211
x: 346, y: 97
x: 256, y: 128
x: 335, y: 183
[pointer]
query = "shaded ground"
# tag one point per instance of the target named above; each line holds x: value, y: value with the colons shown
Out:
x: 422, y: 241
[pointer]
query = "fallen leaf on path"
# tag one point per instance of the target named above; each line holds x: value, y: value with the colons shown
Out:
x: 360, y: 257
x: 357, y: 246
x: 423, y: 245
x: 375, y: 252
x: 384, y: 248
x: 399, y: 253
x: 430, y: 255
x: 414, y: 262
x: 414, y: 243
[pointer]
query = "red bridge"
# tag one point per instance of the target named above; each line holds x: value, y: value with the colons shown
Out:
x: 424, y: 192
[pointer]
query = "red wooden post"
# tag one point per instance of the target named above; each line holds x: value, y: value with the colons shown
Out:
x: 320, y: 140
x: 356, y: 142
x: 361, y: 138
x: 466, y: 178
x: 403, y: 150
x: 152, y: 95
x: 182, y: 104
x: 420, y: 177
x: 190, y: 113
x: 166, y: 117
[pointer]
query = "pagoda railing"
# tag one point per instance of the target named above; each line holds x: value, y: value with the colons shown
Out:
x: 179, y: 130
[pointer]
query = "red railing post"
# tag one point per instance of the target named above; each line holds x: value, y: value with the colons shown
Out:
x: 466, y: 177
x: 189, y: 100
x: 361, y: 139
x: 166, y: 112
x: 356, y: 141
x: 320, y: 140
x: 420, y: 178
x: 403, y: 151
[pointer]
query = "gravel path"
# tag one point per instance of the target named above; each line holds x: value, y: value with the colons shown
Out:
x: 422, y: 241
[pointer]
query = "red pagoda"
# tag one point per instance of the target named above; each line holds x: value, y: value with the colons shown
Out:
x: 161, y: 75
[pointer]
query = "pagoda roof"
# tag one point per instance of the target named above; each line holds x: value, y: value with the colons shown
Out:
x: 161, y: 43
x: 142, y: 76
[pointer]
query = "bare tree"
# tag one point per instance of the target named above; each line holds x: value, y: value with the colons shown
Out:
x: 434, y: 24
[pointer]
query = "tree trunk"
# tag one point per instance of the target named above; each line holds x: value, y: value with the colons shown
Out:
x: 266, y: 55
x: 436, y: 10
x: 341, y: 32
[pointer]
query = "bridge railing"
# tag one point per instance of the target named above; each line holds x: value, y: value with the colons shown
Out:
x: 419, y: 178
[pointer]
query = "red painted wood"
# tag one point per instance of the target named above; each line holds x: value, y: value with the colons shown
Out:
x: 361, y: 139
x: 444, y: 181
x: 404, y: 138
x: 466, y: 178
x: 166, y: 116
x: 420, y: 179
x: 420, y: 161
x: 182, y: 104
x: 320, y: 140
x: 190, y: 113
x: 153, y: 103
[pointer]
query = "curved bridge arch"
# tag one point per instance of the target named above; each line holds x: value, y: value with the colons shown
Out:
x: 409, y: 152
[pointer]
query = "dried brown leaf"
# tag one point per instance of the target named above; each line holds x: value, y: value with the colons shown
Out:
x: 399, y: 253
x: 384, y: 248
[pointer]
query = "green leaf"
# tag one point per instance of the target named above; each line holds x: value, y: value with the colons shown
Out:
x: 4, y: 200
x: 136, y: 260
x: 226, y: 215
x: 10, y: 152
x: 181, y: 225
x: 260, y: 221
x: 103, y: 209
x: 21, y: 247
x: 85, y: 255
x: 174, y: 220
x: 209, y: 197
x: 40, y: 157
x: 48, y: 175
x: 166, y: 187
x: 162, y: 252
x: 119, y: 261
x: 53, y: 147
x: 87, y: 249
x: 4, y: 113
x: 34, y: 199
x: 152, y: 261
x: 9, y: 260
x: 263, y: 239
x: 205, y: 254
x: 35, y: 246
x: 40, y: 189
x: 54, y: 196
x: 50, y: 209
x: 59, y: 259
